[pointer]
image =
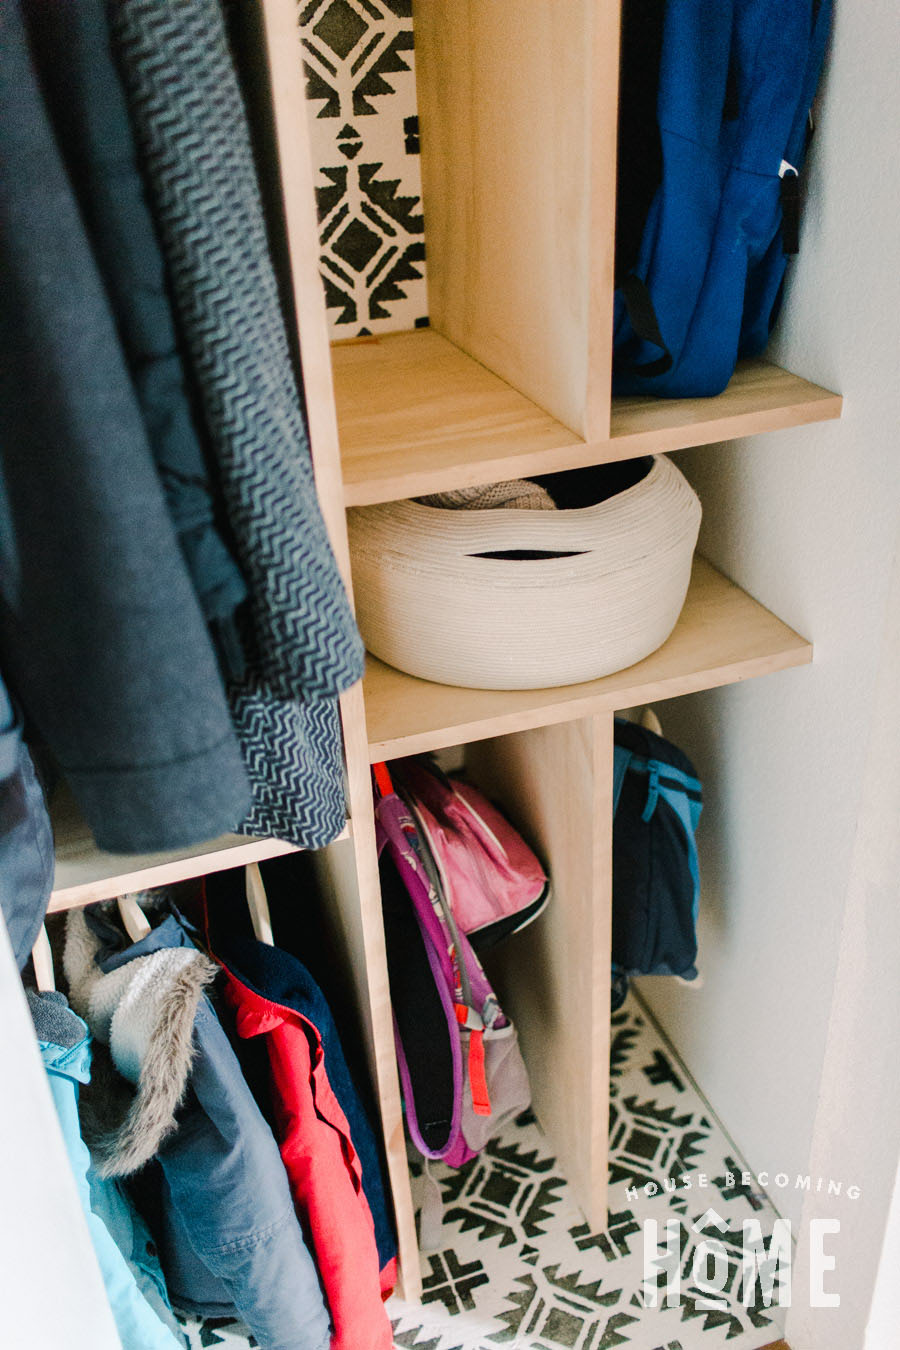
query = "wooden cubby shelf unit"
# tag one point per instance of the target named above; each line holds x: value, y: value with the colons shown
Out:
x: 518, y: 134
x: 513, y: 378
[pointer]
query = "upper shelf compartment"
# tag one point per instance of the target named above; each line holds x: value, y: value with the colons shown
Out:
x: 513, y: 377
x: 519, y: 182
x: 418, y: 415
x: 518, y: 121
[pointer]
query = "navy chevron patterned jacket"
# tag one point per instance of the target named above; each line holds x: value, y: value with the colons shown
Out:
x: 86, y: 102
x: 304, y: 648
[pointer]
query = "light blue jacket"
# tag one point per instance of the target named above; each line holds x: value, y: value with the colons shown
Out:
x: 26, y: 836
x: 65, y: 1046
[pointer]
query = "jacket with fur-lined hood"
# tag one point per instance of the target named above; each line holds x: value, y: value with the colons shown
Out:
x: 229, y: 1236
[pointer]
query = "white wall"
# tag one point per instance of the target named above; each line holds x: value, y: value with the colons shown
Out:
x: 881, y: 1333
x: 856, y: 1136
x: 806, y: 521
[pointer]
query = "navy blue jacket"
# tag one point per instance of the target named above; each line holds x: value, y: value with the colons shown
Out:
x: 281, y: 978
x: 276, y: 974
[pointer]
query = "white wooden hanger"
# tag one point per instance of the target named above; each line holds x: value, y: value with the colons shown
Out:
x: 42, y: 961
x: 133, y: 918
x: 650, y: 720
x: 258, y: 904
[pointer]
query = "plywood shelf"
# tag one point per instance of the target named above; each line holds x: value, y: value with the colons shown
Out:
x: 85, y: 874
x: 761, y: 397
x: 417, y: 415
x: 722, y: 637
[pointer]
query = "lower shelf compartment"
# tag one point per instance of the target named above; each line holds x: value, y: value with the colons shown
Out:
x: 519, y: 1259
x: 723, y: 636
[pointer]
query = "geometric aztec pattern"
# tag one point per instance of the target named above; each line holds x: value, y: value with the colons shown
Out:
x: 361, y: 99
x: 520, y: 1269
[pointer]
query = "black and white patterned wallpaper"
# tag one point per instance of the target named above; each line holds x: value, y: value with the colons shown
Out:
x: 361, y: 94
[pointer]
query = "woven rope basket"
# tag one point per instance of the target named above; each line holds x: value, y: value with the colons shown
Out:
x: 428, y: 604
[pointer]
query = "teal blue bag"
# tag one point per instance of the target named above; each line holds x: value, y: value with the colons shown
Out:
x: 657, y: 799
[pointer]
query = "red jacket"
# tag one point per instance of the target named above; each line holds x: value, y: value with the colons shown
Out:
x: 322, y: 1166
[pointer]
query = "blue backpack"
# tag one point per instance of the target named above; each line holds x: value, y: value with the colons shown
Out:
x: 657, y: 799
x: 699, y: 283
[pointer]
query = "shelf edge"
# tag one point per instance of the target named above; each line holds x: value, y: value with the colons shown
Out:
x: 166, y: 871
x: 648, y: 691
x: 365, y: 489
x: 733, y: 426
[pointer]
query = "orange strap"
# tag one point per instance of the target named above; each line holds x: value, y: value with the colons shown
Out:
x: 383, y: 779
x: 481, y: 1101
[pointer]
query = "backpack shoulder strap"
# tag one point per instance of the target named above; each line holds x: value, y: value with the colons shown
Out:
x: 644, y: 323
x: 820, y: 29
x: 622, y: 758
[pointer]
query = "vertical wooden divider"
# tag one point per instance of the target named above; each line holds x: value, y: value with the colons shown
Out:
x: 353, y: 887
x: 603, y: 118
x: 517, y: 116
x: 556, y: 784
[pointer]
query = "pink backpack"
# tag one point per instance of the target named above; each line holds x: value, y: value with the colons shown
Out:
x: 493, y: 882
x: 460, y: 1066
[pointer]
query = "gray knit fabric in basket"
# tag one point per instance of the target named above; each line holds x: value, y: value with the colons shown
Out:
x: 519, y: 494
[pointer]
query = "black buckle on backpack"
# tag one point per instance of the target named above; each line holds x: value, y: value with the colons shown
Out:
x: 790, y: 209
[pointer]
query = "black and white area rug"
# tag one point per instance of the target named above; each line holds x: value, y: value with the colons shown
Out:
x: 520, y: 1269
x: 361, y: 95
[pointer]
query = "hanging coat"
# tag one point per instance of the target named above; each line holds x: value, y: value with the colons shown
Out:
x: 188, y: 113
x: 136, y: 1290
x: 84, y: 95
x: 26, y: 837
x: 101, y: 636
x: 274, y: 997
x: 280, y: 977
x: 230, y: 1236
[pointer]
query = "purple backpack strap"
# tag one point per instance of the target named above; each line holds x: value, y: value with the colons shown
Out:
x: 395, y: 834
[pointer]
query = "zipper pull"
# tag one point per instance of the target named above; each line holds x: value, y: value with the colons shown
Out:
x: 470, y: 1019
